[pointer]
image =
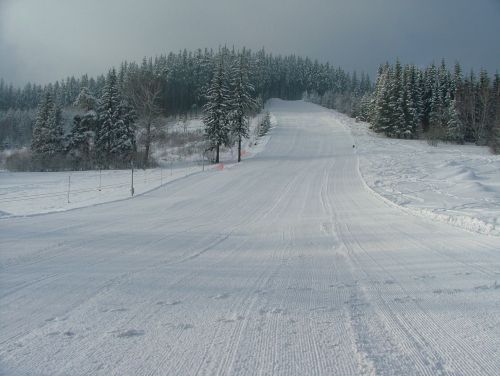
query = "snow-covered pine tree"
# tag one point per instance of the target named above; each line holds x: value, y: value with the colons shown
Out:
x: 456, y: 82
x: 85, y: 100
x: 445, y: 82
x: 436, y: 107
x: 382, y: 114
x: 454, y: 129
x: 495, y: 133
x: 40, y: 128
x: 82, y: 137
x: 265, y: 124
x: 241, y: 99
x: 55, y: 131
x: 124, y: 145
x: 81, y: 141
x: 115, y: 139
x: 47, y: 141
x: 216, y: 110
x: 409, y: 123
x: 107, y: 112
x: 397, y: 125
x: 417, y: 97
x: 484, y: 106
x: 364, y: 107
x: 429, y: 83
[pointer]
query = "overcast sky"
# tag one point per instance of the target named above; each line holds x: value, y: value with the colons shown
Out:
x: 45, y: 40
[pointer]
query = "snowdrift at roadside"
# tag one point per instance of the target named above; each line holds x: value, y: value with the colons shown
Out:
x: 457, y: 184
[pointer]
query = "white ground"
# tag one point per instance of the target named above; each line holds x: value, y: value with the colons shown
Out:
x: 451, y: 183
x: 286, y: 264
x: 28, y: 193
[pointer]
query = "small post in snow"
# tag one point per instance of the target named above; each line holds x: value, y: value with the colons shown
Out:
x: 100, y: 179
x: 69, y: 186
x: 132, y: 181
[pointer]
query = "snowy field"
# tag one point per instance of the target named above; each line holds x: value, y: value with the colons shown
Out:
x: 29, y: 193
x: 459, y: 184
x: 286, y: 264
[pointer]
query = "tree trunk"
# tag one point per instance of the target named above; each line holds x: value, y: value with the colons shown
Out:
x: 148, y: 143
x: 217, y: 154
x: 239, y: 149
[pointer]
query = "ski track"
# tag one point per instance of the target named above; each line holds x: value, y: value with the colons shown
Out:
x: 286, y: 265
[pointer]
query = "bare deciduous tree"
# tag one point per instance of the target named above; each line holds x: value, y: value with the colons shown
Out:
x: 143, y: 88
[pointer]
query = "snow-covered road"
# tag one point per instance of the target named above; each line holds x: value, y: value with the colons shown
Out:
x: 286, y: 265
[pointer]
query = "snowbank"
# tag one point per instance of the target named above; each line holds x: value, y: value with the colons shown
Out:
x: 457, y: 184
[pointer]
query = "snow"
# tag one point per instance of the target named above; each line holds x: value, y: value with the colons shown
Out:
x: 28, y: 193
x: 458, y: 184
x: 285, y: 264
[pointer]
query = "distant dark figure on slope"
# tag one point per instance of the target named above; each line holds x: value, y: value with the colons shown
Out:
x: 353, y: 146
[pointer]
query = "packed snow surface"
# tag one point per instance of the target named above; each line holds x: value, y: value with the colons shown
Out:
x: 287, y: 264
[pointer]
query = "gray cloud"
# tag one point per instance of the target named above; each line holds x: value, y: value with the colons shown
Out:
x: 45, y: 40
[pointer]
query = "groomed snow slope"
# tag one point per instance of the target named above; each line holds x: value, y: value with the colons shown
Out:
x: 286, y: 265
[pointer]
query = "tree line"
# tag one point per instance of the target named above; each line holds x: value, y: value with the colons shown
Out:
x: 111, y: 120
x: 102, y: 136
x: 436, y: 103
x: 158, y: 87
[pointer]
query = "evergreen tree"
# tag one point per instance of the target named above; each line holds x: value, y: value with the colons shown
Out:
x: 265, y: 124
x: 241, y: 101
x: 217, y: 108
x: 408, y: 123
x: 115, y: 139
x: 435, y: 107
x: 397, y: 126
x: 40, y: 128
x: 85, y: 100
x: 454, y: 129
x: 383, y: 116
x: 47, y: 141
x: 456, y: 84
x: 428, y: 95
x: 82, y: 137
x: 485, y: 104
x: 81, y: 140
x: 495, y: 137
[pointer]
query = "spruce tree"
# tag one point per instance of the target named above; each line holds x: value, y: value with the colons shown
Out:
x: 38, y: 140
x: 495, y: 136
x: 435, y: 108
x: 382, y: 121
x: 85, y: 100
x: 456, y: 81
x: 454, y: 129
x: 241, y: 101
x: 217, y: 108
x: 47, y: 141
x: 397, y: 104
x: 265, y: 124
x: 412, y: 103
x: 115, y: 139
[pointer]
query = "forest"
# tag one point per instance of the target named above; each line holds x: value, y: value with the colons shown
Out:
x: 112, y: 120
